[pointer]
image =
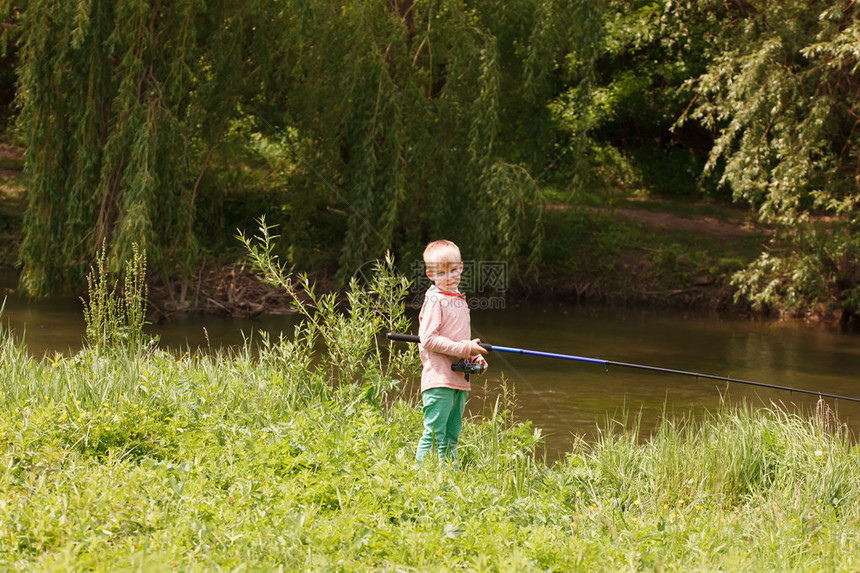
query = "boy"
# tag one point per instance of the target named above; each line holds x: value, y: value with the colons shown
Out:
x: 445, y: 331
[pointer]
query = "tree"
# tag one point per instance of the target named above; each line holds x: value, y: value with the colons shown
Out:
x: 121, y: 104
x: 782, y: 94
x: 425, y: 119
x: 400, y: 112
x: 648, y: 56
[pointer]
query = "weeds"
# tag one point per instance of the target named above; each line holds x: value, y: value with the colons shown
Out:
x: 349, y: 332
x: 116, y: 320
x: 240, y: 461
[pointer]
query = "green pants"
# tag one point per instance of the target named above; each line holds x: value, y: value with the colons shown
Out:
x: 443, y: 420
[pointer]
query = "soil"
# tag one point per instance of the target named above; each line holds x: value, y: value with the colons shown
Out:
x: 12, y: 202
x: 232, y: 290
x: 703, y: 225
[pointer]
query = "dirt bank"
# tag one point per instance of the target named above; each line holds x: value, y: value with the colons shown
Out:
x: 633, y: 278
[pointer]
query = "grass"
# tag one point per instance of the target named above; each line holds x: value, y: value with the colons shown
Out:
x: 598, y: 256
x: 300, y: 456
x: 233, y: 461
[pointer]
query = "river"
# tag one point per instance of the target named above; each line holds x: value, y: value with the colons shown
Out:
x: 568, y: 398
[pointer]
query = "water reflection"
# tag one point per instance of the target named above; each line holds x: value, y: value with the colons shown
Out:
x: 57, y: 325
x: 566, y: 398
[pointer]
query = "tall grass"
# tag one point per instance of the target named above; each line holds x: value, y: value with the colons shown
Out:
x: 115, y: 319
x: 232, y: 461
x: 237, y: 460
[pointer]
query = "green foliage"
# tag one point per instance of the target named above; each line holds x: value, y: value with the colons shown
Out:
x: 781, y: 93
x: 374, y: 127
x: 115, y: 321
x: 647, y: 54
x: 353, y: 360
x: 397, y: 116
x: 233, y: 460
x: 121, y: 104
x: 814, y: 269
x: 415, y: 116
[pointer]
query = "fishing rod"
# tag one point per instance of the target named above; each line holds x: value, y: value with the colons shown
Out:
x: 494, y: 347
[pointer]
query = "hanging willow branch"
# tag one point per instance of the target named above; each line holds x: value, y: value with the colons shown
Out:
x: 121, y: 102
x: 409, y: 116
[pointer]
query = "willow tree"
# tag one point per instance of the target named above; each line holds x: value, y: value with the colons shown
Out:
x: 407, y: 114
x: 121, y: 104
x: 782, y: 93
x: 423, y: 119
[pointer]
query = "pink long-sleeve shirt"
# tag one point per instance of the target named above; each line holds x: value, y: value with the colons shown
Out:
x: 444, y: 328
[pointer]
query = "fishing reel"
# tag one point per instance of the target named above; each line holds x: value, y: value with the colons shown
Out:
x: 468, y: 367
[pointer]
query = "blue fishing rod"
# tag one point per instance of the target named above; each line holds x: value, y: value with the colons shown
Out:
x: 606, y: 363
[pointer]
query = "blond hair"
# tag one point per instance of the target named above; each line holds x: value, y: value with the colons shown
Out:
x: 441, y: 252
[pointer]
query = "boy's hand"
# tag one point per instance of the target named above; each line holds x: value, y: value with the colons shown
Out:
x: 476, y: 348
x: 481, y: 360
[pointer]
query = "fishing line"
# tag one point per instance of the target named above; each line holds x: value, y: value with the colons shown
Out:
x: 563, y: 419
x: 607, y: 363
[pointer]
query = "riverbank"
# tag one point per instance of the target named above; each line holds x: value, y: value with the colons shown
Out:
x: 619, y: 257
x: 298, y: 454
x: 117, y: 461
x: 636, y: 252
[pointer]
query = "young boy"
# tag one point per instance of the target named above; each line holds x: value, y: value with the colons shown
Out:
x: 445, y: 331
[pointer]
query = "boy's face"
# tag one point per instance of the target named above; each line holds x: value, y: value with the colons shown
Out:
x: 446, y: 276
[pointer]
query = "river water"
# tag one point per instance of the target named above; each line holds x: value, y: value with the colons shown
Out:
x: 567, y: 398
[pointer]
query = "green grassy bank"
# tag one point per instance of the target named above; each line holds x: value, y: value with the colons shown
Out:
x: 159, y: 462
x: 299, y: 456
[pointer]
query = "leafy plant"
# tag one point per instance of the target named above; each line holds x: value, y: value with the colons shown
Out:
x: 780, y: 92
x: 115, y: 320
x: 348, y: 332
x: 414, y: 113
x: 195, y: 461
